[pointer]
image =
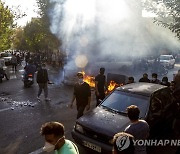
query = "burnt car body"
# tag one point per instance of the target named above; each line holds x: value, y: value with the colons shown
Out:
x: 94, y: 130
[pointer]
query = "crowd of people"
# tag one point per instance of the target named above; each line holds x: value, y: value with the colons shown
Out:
x: 174, y: 85
x: 54, y: 131
x: 56, y: 59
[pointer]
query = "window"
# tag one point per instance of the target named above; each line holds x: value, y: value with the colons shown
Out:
x: 160, y: 101
x: 119, y: 101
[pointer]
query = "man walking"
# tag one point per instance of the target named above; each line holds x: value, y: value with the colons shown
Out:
x: 42, y: 80
x: 82, y: 94
x: 100, y: 81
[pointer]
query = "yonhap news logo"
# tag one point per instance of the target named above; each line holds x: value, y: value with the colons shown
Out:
x: 123, y: 142
x: 156, y: 142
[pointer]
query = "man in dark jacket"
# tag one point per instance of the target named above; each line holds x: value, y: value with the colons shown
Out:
x: 165, y: 81
x: 155, y: 79
x: 100, y: 83
x: 82, y: 95
x: 144, y: 78
x: 42, y: 80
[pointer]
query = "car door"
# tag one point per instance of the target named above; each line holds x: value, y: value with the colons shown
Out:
x: 155, y: 116
x: 160, y: 113
x: 168, y: 106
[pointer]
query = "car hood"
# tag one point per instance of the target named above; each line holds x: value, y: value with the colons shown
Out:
x: 104, y: 122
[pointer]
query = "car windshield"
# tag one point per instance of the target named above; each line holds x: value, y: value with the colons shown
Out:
x: 164, y: 57
x: 119, y: 101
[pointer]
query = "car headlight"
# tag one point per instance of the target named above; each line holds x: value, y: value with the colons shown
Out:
x: 79, y: 128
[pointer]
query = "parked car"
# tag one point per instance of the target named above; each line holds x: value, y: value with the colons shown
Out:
x: 167, y: 61
x: 94, y: 130
x: 7, y: 57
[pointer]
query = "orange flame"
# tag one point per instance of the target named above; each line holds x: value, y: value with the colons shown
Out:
x: 112, y: 86
x: 89, y: 79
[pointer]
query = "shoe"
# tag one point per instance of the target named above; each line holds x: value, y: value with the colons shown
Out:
x: 47, y: 99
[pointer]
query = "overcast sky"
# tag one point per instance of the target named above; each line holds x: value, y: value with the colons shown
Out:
x: 27, y: 6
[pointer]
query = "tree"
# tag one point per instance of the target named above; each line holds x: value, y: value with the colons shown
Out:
x: 19, y: 41
x: 44, y: 7
x: 6, y: 25
x: 36, y: 35
x: 168, y: 12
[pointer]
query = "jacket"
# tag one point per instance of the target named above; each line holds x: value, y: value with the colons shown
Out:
x: 42, y: 76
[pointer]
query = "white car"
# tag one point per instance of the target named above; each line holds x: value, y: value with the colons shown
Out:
x: 167, y: 60
x: 7, y: 57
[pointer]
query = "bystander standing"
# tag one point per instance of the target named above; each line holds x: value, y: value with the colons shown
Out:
x: 144, y: 78
x: 138, y: 128
x: 155, y: 79
x: 100, y: 84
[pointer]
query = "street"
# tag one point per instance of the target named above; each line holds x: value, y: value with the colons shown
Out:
x: 21, y: 122
x: 21, y: 115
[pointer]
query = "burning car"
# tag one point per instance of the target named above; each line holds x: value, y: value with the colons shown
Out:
x: 70, y: 78
x: 94, y: 130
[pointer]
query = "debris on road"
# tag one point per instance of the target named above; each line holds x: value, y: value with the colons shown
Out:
x: 15, y: 104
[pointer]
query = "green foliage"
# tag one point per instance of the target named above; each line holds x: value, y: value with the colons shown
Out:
x: 36, y: 34
x: 168, y: 12
x: 6, y: 24
x: 19, y: 39
x: 35, y: 37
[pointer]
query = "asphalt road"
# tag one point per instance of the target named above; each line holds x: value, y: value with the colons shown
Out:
x: 21, y: 115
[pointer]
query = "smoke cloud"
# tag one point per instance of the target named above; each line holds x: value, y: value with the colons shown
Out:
x: 104, y: 30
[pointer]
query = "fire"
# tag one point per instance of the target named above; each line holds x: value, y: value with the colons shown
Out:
x: 112, y: 86
x: 89, y: 79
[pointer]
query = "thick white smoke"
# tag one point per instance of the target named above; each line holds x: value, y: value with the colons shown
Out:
x: 106, y: 30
